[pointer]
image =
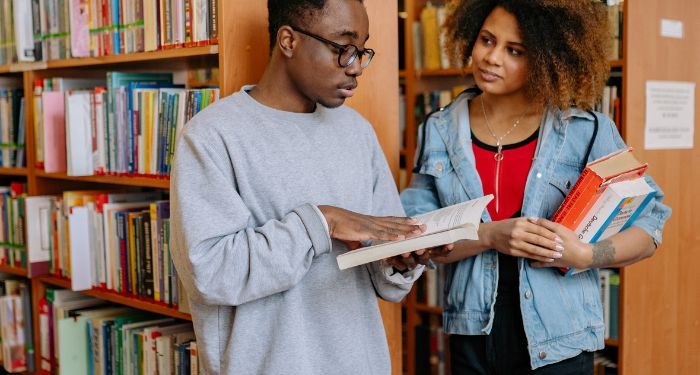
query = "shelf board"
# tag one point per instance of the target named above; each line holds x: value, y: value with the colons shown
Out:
x: 175, y: 53
x: 158, y: 183
x: 429, y: 309
x: 13, y: 171
x: 612, y: 342
x: 402, y: 73
x: 444, y: 72
x: 13, y: 270
x: 617, y: 63
x: 120, y: 299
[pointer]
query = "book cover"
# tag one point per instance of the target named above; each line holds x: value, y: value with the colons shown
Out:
x: 444, y: 226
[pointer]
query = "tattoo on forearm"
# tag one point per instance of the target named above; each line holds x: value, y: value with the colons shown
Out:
x: 603, y: 253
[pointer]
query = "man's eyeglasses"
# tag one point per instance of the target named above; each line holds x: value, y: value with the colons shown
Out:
x: 347, y: 53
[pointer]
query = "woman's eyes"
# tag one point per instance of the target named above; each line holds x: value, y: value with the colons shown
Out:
x: 515, y: 52
x: 486, y: 41
x: 512, y: 51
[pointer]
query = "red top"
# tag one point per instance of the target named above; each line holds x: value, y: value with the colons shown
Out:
x: 512, y: 172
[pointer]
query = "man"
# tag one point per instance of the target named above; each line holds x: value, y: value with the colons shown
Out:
x: 269, y: 186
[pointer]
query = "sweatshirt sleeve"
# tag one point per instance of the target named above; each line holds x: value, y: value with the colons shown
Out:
x: 221, y: 257
x: 386, y: 202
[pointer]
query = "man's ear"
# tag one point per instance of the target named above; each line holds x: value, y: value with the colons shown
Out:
x: 287, y: 41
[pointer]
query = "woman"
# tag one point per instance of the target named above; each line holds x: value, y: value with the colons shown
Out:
x: 523, y: 135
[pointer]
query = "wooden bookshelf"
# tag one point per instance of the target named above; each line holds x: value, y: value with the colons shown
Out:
x: 444, y: 72
x: 241, y: 55
x: 13, y: 171
x: 437, y: 310
x: 148, y: 182
x: 114, y: 297
x: 166, y: 54
x: 13, y: 270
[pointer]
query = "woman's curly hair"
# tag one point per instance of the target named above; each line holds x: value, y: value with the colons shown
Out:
x: 567, y: 44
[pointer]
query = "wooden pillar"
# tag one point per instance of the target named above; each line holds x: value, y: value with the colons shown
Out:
x: 660, y: 321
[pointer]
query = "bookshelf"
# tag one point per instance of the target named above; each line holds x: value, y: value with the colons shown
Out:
x: 240, y: 56
x: 415, y: 80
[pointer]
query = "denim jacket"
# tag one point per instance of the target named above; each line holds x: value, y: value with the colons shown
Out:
x: 562, y: 316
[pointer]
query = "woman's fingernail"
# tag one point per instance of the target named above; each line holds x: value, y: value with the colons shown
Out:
x: 558, y: 240
x: 533, y: 219
x: 550, y: 260
x: 557, y: 255
x: 559, y: 248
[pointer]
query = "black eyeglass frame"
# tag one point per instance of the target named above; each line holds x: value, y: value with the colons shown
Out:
x: 342, y: 48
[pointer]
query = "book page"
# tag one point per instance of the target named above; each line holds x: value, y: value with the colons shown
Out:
x: 454, y: 216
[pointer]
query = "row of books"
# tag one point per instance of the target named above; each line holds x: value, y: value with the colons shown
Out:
x: 82, y: 335
x: 111, y: 241
x: 16, y: 333
x: 12, y: 225
x: 11, y: 122
x: 610, y: 297
x: 60, y: 29
x: 432, y: 349
x: 610, y: 104
x: 430, y: 288
x: 604, y: 363
x: 429, y: 40
x: 126, y: 125
x: 615, y: 17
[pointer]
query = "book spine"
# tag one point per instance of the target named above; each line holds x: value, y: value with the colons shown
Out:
x: 584, y: 189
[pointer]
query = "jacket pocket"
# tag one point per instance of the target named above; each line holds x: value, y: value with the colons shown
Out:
x: 438, y: 165
x: 563, y: 179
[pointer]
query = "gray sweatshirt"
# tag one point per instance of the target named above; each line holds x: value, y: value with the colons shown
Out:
x: 253, y: 251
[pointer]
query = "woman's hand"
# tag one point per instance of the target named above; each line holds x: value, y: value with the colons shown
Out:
x: 575, y: 254
x: 522, y: 237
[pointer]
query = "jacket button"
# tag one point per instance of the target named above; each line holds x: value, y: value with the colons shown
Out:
x: 543, y: 355
x: 528, y: 294
x: 438, y: 167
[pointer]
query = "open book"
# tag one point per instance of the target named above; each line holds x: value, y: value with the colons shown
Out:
x: 444, y: 226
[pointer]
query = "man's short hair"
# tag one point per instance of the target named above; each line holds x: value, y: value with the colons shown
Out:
x: 292, y: 13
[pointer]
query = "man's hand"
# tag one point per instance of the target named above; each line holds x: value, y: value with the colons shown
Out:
x: 423, y: 256
x: 352, y: 227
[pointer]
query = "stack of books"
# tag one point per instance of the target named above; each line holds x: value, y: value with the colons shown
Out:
x: 607, y: 198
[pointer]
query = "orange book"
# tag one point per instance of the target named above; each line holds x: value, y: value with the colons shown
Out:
x: 618, y: 166
x: 599, y: 174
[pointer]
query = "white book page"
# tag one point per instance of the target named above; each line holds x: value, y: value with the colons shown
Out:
x: 454, y: 216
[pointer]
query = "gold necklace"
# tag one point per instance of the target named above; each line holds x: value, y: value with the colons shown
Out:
x: 499, y: 154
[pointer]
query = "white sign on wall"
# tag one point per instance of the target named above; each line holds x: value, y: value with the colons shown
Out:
x: 670, y: 115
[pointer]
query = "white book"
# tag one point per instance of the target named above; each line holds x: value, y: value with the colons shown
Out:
x: 444, y: 226
x: 38, y: 210
x: 80, y: 248
x: 79, y: 134
x: 24, y: 33
x: 619, y: 204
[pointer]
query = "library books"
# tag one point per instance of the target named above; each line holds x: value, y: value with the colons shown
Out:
x: 12, y: 127
x: 36, y: 30
x: 444, y: 226
x: 607, y: 198
x: 125, y: 125
x: 15, y: 325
